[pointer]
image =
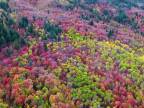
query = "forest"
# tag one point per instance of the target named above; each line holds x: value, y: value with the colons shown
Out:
x: 71, y: 54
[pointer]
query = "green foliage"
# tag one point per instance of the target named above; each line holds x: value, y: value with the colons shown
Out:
x: 23, y: 23
x: 14, y: 35
x: 84, y: 88
x: 4, y: 5
x: 30, y: 30
x: 123, y: 3
x: 128, y: 60
x: 107, y: 16
x: 96, y: 14
x: 121, y: 17
x: 85, y: 17
x: 134, y: 24
x: 90, y: 1
x: 73, y: 35
x: 52, y: 31
x: 18, y: 43
x: 7, y: 34
x: 9, y: 52
x: 110, y: 33
x: 74, y: 3
x: 3, y: 105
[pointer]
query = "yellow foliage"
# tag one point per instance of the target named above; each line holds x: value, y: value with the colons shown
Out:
x: 141, y: 58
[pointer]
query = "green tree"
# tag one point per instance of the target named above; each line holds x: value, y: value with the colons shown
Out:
x: 75, y: 3
x: 7, y: 34
x: 52, y: 31
x: 110, y: 33
x: 90, y: 1
x: 121, y: 17
x: 23, y: 22
x: 4, y: 5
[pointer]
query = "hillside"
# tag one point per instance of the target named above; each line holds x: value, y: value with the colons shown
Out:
x: 71, y: 54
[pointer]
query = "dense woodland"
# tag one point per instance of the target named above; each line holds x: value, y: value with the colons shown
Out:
x: 71, y: 54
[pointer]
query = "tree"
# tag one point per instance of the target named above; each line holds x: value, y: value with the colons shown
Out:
x: 110, y: 33
x: 134, y: 24
x: 106, y: 15
x: 23, y: 23
x: 52, y: 31
x: 90, y: 1
x: 121, y: 17
x: 4, y: 5
x: 75, y: 2
x: 7, y: 34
